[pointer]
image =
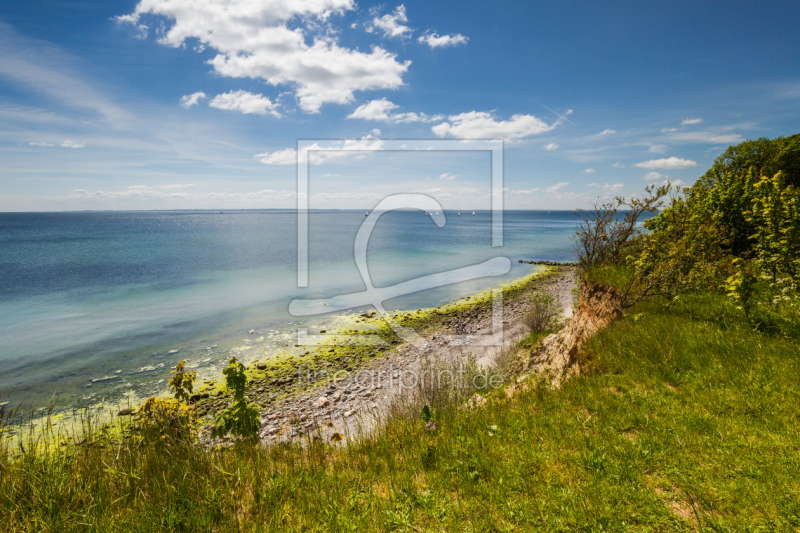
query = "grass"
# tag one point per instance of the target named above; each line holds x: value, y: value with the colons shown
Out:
x: 685, y: 419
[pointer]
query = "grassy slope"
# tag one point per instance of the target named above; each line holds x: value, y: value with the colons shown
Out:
x: 688, y: 419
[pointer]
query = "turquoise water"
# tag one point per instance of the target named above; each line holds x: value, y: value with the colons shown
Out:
x: 100, y: 305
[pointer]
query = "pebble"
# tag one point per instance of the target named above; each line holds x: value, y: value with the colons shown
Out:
x: 322, y: 402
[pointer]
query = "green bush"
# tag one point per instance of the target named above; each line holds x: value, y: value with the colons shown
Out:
x: 240, y: 418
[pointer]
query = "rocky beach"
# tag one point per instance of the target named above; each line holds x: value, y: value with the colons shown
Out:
x: 346, y: 391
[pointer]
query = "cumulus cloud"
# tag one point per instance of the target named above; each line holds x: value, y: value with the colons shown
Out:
x: 589, y: 171
x: 189, y: 100
x: 392, y: 25
x: 247, y: 103
x: 71, y: 144
x: 525, y: 191
x: 607, y: 132
x: 37, y: 143
x: 618, y: 165
x: 253, y: 39
x: 448, y: 176
x: 657, y: 148
x: 434, y: 40
x: 550, y: 147
x: 382, y: 110
x: 483, y: 125
x: 688, y: 121
x: 669, y: 163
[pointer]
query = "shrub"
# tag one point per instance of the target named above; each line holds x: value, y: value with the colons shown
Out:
x: 182, y: 382
x: 240, y: 418
x: 605, y: 235
x: 164, y: 417
x: 544, y: 313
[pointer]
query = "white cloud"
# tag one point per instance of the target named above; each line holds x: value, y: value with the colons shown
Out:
x: 129, y: 19
x: 382, y: 110
x: 669, y: 163
x: 618, y: 165
x: 253, y: 39
x: 36, y: 143
x: 607, y: 132
x: 688, y: 121
x: 668, y: 130
x: 588, y: 171
x: 557, y: 186
x: 71, y: 144
x: 138, y: 193
x: 171, y: 186
x: 392, y: 25
x: 318, y: 154
x: 657, y: 148
x: 653, y: 176
x: 550, y: 147
x: 434, y: 40
x: 608, y: 188
x: 526, y: 191
x: 706, y: 137
x: 189, y: 100
x: 281, y: 157
x: 247, y: 103
x: 448, y: 176
x: 482, y: 125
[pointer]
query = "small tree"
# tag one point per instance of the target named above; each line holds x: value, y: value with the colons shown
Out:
x: 609, y: 229
x: 240, y: 417
x: 182, y: 383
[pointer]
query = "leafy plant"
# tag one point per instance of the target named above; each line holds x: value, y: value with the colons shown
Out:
x: 776, y: 217
x: 543, y: 314
x: 182, y: 382
x: 741, y: 289
x: 240, y: 417
x: 426, y: 414
x: 160, y: 417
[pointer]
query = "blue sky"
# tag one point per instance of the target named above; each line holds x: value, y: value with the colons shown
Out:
x: 199, y: 103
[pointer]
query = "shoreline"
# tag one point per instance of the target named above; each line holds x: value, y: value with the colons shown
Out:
x: 348, y: 389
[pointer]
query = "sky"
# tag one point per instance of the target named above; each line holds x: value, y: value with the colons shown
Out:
x: 199, y: 104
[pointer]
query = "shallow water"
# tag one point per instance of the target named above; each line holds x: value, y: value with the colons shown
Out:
x: 93, y: 303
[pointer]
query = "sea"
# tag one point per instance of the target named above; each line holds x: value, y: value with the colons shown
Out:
x: 97, y: 307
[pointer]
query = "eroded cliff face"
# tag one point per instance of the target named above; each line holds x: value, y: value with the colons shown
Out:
x: 556, y: 358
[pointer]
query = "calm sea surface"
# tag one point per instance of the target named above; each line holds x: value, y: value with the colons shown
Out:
x: 94, y: 305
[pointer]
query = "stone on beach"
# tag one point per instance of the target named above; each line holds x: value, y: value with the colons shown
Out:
x: 322, y: 402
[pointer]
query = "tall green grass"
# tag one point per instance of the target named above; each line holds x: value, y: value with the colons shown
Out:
x: 685, y: 418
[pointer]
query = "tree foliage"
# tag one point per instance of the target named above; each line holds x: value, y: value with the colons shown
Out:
x: 738, y: 224
x: 775, y: 215
x: 608, y: 230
